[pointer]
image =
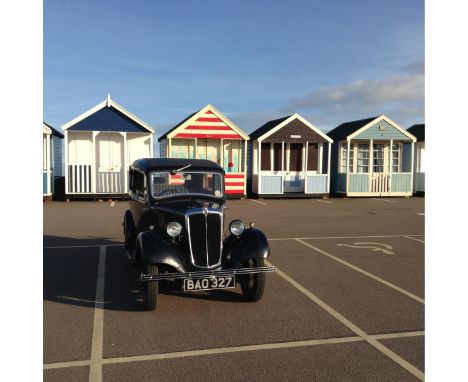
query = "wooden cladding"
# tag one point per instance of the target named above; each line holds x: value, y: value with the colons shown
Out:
x: 312, y: 157
x: 296, y: 131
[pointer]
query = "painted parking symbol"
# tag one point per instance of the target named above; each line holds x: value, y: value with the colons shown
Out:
x: 376, y: 247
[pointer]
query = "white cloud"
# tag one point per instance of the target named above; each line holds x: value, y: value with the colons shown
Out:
x: 401, y: 97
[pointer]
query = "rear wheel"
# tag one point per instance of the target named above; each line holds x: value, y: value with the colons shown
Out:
x: 253, y: 284
x: 151, y: 287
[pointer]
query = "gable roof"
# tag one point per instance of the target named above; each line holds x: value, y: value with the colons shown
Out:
x: 418, y: 131
x: 205, y: 123
x: 345, y: 129
x: 51, y: 130
x: 267, y: 127
x: 272, y: 126
x: 349, y: 130
x: 108, y: 116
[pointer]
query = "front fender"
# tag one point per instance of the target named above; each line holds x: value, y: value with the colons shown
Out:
x: 156, y: 249
x: 252, y: 244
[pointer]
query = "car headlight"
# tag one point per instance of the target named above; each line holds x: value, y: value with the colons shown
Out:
x: 237, y: 227
x: 174, y: 229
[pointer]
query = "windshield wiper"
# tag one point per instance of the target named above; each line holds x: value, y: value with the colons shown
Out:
x: 180, y: 169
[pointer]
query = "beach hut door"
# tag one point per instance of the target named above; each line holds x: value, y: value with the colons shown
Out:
x: 109, y: 163
x: 293, y: 179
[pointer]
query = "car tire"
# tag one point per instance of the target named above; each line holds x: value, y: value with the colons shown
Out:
x: 151, y: 288
x: 253, y: 285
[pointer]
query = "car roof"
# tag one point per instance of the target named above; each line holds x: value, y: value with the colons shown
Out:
x: 168, y: 164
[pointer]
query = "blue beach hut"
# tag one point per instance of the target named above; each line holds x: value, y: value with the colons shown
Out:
x: 372, y: 157
x: 51, y: 158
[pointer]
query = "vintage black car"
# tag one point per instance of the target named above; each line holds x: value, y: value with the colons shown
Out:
x: 174, y: 230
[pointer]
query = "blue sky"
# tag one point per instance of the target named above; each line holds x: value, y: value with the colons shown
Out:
x: 330, y: 61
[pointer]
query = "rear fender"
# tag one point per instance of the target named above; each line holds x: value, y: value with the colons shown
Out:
x: 156, y: 249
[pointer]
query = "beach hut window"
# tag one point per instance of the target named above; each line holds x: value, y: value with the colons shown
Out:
x: 378, y: 155
x: 209, y: 149
x: 232, y: 155
x: 351, y: 158
x: 44, y: 153
x: 312, y: 157
x: 183, y: 148
x: 266, y: 157
x: 363, y: 158
x: 396, y: 150
x: 344, y: 158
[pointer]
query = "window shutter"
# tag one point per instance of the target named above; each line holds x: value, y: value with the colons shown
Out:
x: 266, y: 160
x: 312, y: 157
x: 277, y: 157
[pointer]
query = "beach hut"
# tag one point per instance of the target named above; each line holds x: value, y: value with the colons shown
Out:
x: 51, y: 158
x: 418, y: 132
x: 372, y: 157
x: 209, y: 134
x: 100, y: 145
x: 289, y: 157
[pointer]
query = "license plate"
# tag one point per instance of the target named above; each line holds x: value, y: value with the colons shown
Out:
x: 207, y: 283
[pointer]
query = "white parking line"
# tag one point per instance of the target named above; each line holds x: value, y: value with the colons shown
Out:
x: 376, y: 278
x: 413, y: 238
x: 95, y: 368
x: 323, y: 201
x: 270, y: 239
x: 371, y: 340
x: 233, y: 349
x: 83, y: 246
x: 385, y: 200
x: 257, y: 201
x: 339, y: 237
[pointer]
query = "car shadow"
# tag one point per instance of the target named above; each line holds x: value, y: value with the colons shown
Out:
x: 70, y: 272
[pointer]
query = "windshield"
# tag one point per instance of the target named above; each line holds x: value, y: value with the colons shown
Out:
x: 164, y: 184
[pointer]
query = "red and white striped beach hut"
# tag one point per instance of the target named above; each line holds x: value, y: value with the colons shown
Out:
x: 208, y: 134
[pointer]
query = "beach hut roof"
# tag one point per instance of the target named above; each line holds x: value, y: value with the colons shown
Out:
x: 351, y: 129
x: 207, y: 109
x: 108, y: 116
x: 272, y: 126
x: 418, y: 131
x: 52, y: 130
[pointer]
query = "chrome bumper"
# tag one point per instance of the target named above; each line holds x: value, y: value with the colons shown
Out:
x: 200, y: 274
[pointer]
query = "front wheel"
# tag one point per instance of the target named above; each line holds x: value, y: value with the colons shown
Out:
x: 151, y: 287
x: 253, y: 284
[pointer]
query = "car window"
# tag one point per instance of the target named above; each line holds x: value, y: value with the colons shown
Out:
x: 164, y: 184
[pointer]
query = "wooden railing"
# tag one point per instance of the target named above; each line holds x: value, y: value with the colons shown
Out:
x: 380, y: 182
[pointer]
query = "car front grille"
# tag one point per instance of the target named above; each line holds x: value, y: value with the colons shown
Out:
x: 205, y: 232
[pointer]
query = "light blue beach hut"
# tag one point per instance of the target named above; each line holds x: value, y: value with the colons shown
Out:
x: 51, y: 158
x: 372, y: 157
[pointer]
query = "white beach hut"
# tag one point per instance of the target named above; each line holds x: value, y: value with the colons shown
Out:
x: 419, y: 168
x: 100, y: 145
